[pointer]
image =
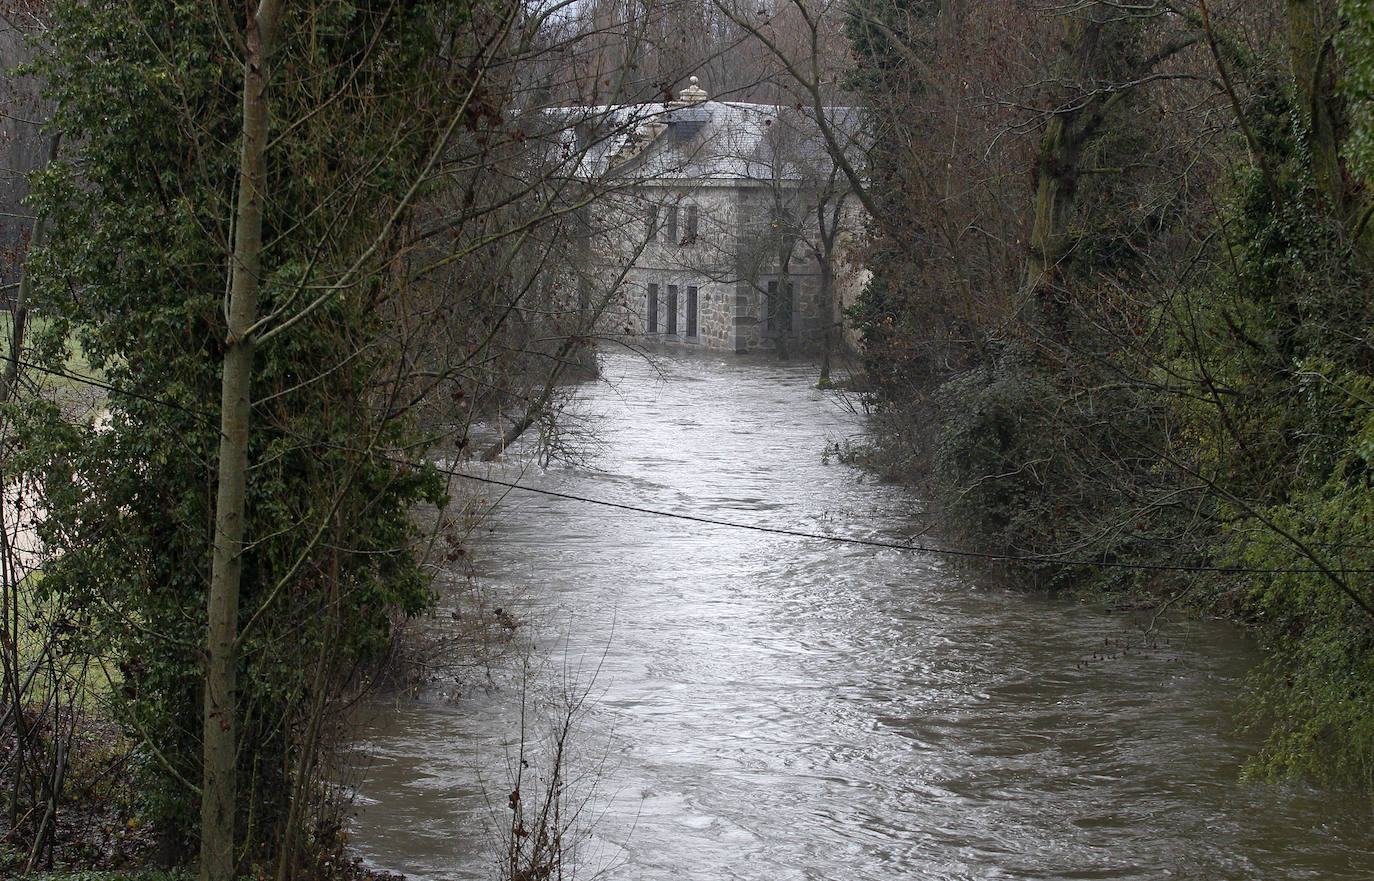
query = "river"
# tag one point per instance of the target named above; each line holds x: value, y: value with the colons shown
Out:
x: 762, y: 707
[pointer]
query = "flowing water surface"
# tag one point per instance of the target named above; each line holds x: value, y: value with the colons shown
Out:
x: 764, y: 707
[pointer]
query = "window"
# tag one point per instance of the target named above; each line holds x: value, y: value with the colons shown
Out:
x: 651, y: 224
x: 651, y: 310
x: 672, y: 310
x: 692, y: 220
x: 691, y: 311
x: 670, y: 228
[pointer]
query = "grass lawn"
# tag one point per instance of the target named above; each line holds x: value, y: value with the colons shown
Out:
x: 35, y: 325
x: 63, y: 690
x: 60, y: 388
x: 95, y: 875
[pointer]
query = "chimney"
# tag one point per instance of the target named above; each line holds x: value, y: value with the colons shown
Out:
x: 693, y: 94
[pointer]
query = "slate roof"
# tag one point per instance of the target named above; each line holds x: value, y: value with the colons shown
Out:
x: 707, y: 142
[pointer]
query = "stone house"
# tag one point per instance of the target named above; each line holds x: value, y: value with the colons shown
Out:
x: 733, y: 230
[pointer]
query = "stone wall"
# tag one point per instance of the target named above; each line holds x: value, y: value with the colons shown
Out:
x: 730, y: 261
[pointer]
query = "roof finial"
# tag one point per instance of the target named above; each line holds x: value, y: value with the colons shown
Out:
x: 693, y: 94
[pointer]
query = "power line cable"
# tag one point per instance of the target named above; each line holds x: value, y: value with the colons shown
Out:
x: 203, y: 415
x: 934, y: 550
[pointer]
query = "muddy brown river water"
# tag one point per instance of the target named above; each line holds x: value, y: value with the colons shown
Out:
x: 768, y: 708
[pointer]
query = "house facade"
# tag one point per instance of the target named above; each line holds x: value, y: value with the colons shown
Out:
x: 733, y: 230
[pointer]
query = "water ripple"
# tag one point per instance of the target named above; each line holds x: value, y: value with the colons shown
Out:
x: 769, y: 708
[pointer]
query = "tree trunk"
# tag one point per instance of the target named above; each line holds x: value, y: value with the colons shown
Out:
x: 1055, y: 172
x: 1057, y: 166
x: 782, y: 306
x: 1085, y: 57
x: 825, y: 256
x: 1311, y: 26
x: 826, y: 309
x: 219, y: 789
x: 20, y: 312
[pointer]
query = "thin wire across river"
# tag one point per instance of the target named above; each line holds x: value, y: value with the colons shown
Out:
x: 766, y: 709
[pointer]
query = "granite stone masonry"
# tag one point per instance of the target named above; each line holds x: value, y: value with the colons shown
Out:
x: 733, y: 231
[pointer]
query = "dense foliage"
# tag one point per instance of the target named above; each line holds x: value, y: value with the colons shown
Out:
x: 1177, y: 374
x: 141, y: 205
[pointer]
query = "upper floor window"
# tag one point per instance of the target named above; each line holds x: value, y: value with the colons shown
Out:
x: 693, y: 218
x: 651, y: 223
x: 670, y: 227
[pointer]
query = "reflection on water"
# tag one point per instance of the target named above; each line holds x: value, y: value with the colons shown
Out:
x: 767, y: 708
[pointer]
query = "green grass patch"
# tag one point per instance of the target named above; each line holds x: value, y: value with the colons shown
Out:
x: 35, y: 326
x: 69, y: 390
x: 113, y: 875
x: 50, y: 637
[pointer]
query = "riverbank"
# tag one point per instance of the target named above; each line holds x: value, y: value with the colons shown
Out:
x: 356, y: 873
x: 110, y: 875
x: 1035, y: 516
